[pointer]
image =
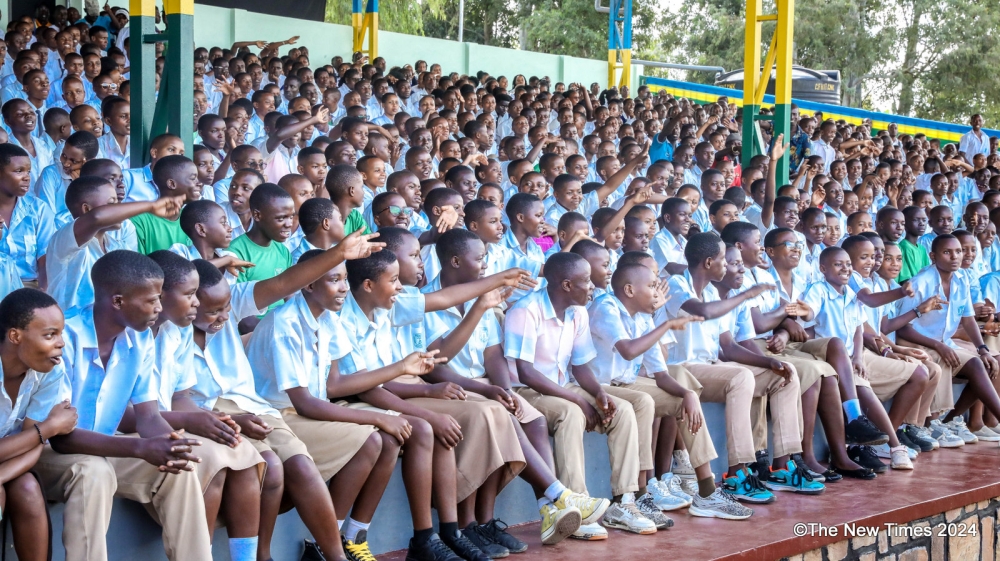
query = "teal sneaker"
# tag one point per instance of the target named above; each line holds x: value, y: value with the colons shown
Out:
x: 747, y: 488
x: 794, y: 478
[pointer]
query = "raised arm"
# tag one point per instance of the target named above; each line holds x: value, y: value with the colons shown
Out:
x: 286, y: 132
x: 771, y: 187
x: 88, y: 225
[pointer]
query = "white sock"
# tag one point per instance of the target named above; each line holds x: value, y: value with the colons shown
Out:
x: 352, y: 528
x: 555, y: 491
x: 542, y: 502
x: 243, y: 549
x: 340, y: 525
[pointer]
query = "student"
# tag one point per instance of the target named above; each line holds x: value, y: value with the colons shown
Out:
x: 21, y: 120
x: 31, y: 352
x: 80, y: 148
x: 668, y: 244
x: 814, y: 227
x: 87, y: 467
x: 174, y: 176
x: 115, y: 146
x: 483, y: 219
x: 743, y: 375
x: 390, y: 210
x: 244, y: 156
x: 345, y: 185
x: 237, y: 202
x: 941, y: 222
x: 281, y: 148
x: 568, y: 195
x: 28, y: 222
x: 139, y: 183
x: 721, y: 214
x: 205, y: 223
x: 933, y: 331
x: 915, y: 257
x: 312, y: 165
x: 230, y: 469
x: 526, y: 214
x: 636, y: 235
x: 301, y: 190
x: 572, y: 228
x: 225, y: 383
x: 291, y: 353
x: 543, y: 350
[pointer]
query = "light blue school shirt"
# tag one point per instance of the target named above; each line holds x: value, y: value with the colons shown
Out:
x: 26, y: 238
x: 938, y: 325
x: 469, y: 362
x: 836, y: 315
x: 610, y: 323
x: 51, y: 188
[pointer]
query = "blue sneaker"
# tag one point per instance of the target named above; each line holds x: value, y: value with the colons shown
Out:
x: 747, y: 488
x: 794, y: 478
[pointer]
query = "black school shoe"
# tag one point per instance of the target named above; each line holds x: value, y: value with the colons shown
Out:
x: 496, y: 530
x: 431, y: 550
x: 492, y: 549
x: 913, y: 438
x: 866, y: 457
x: 312, y: 552
x: 863, y: 432
x: 464, y: 548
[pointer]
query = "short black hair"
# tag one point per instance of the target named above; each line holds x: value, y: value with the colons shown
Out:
x: 10, y: 151
x: 476, y: 209
x: 169, y: 167
x: 459, y: 170
x: 97, y: 166
x: 672, y: 205
x: 308, y: 151
x: 737, y: 232
x: 208, y: 274
x: 121, y: 270
x: 339, y: 178
x: 196, y: 212
x: 602, y: 216
x: 702, y: 246
x: 83, y: 187
x: 371, y: 267
x: 630, y: 258
x: 716, y: 206
x: 86, y: 142
x: 453, y: 242
x: 829, y: 252
x: 785, y: 201
x: 771, y: 239
x: 309, y: 255
x: 851, y: 241
x: 313, y: 212
x: 393, y: 237
x: 936, y: 243
x: 264, y: 194
x: 566, y: 221
x: 563, y: 181
x: 438, y: 196
x: 586, y: 248
x: 624, y: 272
x: 17, y: 309
x: 518, y: 204
x: 560, y: 265
x: 175, y: 268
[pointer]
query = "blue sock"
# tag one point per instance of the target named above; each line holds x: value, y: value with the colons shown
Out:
x: 554, y: 491
x: 852, y: 407
x: 243, y: 549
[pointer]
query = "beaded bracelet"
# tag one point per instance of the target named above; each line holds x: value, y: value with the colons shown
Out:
x: 39, y: 431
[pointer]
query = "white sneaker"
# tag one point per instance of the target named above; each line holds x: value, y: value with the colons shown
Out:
x: 719, y: 505
x: 986, y: 435
x: 944, y: 435
x: 626, y: 516
x: 649, y: 509
x: 678, y: 486
x: 663, y: 498
x: 682, y: 464
x: 899, y: 458
x: 925, y: 433
x: 957, y: 426
x: 590, y: 532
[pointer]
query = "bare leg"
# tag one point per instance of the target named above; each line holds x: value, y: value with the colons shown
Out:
x: 418, y: 459
x: 486, y: 498
x: 270, y: 503
x: 831, y: 414
x: 346, y: 484
x: 241, y: 503
x: 908, y: 396
x: 876, y: 413
x: 663, y: 455
x: 29, y: 519
x: 810, y: 402
x: 467, y: 510
x: 371, y: 492
x: 213, y: 500
x: 312, y: 500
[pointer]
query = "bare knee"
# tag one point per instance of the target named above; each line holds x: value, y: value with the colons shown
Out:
x: 371, y: 449
x: 388, y: 444
x: 422, y: 434
x: 274, y: 478
x: 24, y: 495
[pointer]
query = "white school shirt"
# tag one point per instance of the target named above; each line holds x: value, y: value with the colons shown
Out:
x: 102, y: 393
x: 989, y: 285
x: 234, y: 220
x: 972, y: 144
x: 533, y: 333
x: 139, y: 186
x: 469, y: 362
x: 693, y: 176
x: 10, y: 280
x: 701, y: 217
x: 938, y: 325
x: 829, y: 155
x: 255, y: 128
x: 388, y: 337
x: 221, y: 189
x: 588, y: 206
x: 836, y: 315
x: 302, y: 247
x: 13, y: 91
x: 739, y: 321
x: 39, y: 393
x: 667, y: 249
x: 26, y: 238
x: 809, y: 263
x: 767, y: 301
x: 44, y: 153
x: 291, y: 348
x: 222, y: 368
x: 51, y: 188
x: 610, y: 322
x: 68, y: 264
x: 532, y: 252
x: 174, y: 369
x: 699, y: 341
x: 112, y: 151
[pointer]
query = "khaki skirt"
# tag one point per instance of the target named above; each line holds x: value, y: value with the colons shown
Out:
x: 330, y: 443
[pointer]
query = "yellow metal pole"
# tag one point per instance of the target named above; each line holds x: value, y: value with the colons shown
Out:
x: 765, y: 73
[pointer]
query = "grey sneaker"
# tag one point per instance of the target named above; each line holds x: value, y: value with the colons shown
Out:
x: 957, y: 426
x: 925, y: 433
x: 682, y: 464
x: 945, y: 437
x: 663, y: 498
x: 649, y: 509
x: 986, y: 435
x: 626, y: 516
x: 678, y: 486
x: 719, y: 505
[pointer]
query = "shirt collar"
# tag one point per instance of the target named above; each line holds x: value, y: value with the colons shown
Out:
x: 303, y: 312
x: 355, y: 316
x: 548, y: 310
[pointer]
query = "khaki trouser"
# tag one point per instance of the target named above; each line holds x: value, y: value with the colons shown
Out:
x: 887, y: 375
x: 736, y: 385
x: 87, y: 485
x: 567, y: 425
x: 944, y: 397
x: 699, y: 444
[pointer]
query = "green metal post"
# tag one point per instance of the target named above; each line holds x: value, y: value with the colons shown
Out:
x: 179, y: 70
x: 142, y: 58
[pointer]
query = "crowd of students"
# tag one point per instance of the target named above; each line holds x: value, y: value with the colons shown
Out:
x: 359, y: 265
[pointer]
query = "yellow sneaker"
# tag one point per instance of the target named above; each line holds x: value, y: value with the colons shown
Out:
x: 590, y: 508
x: 559, y: 523
x: 358, y: 550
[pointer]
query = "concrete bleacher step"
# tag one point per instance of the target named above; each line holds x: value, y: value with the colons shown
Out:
x: 134, y: 535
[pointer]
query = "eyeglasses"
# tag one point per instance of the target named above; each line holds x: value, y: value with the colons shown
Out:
x: 255, y: 164
x: 109, y: 86
x: 791, y: 245
x: 396, y: 211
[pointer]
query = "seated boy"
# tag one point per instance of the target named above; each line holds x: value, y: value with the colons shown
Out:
x: 31, y: 351
x: 206, y: 224
x: 668, y: 244
x: 31, y: 223
x: 542, y: 350
x: 80, y: 148
x: 175, y: 176
x: 346, y: 187
x: 322, y: 226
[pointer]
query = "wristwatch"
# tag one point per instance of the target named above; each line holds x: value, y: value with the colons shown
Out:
x: 980, y: 348
x: 917, y: 311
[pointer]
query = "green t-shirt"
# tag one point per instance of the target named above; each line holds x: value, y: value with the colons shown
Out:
x: 355, y: 222
x: 154, y: 233
x: 269, y: 261
x: 915, y: 258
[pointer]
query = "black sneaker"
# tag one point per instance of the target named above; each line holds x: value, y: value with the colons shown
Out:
x: 761, y: 466
x: 496, y: 530
x: 464, y: 548
x: 480, y: 539
x: 431, y: 550
x: 863, y: 432
x: 923, y: 444
x: 865, y: 456
x: 312, y: 552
